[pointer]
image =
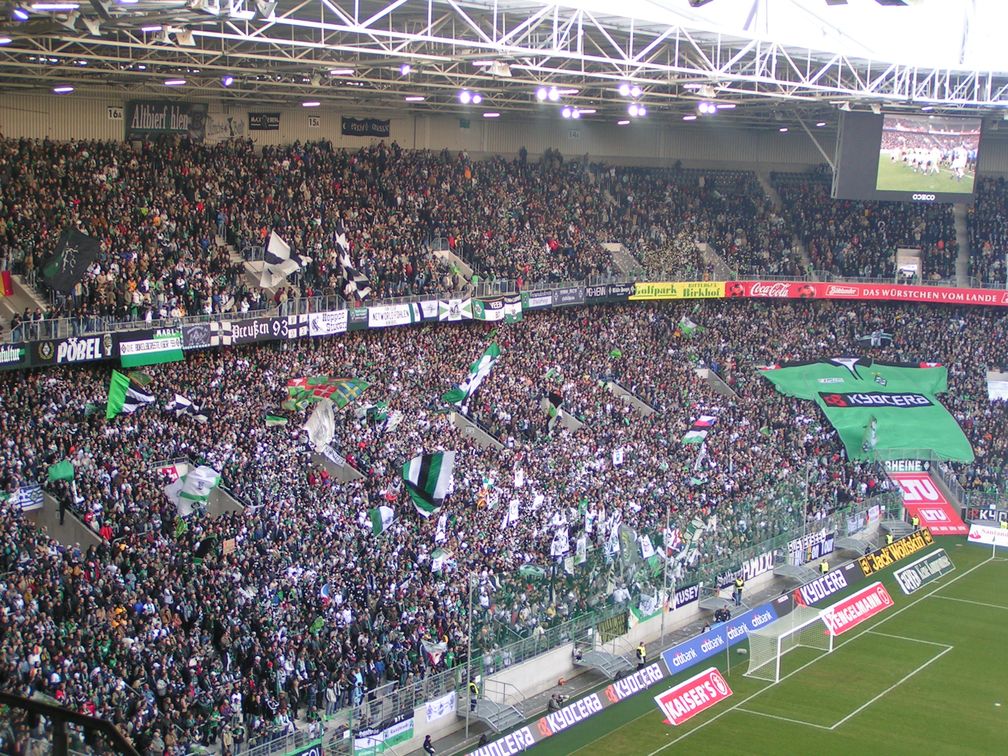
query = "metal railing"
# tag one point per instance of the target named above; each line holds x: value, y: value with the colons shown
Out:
x: 489, y: 286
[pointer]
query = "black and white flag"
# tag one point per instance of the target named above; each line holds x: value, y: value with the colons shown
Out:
x: 355, y: 283
x: 182, y: 406
x: 73, y: 256
x: 279, y: 262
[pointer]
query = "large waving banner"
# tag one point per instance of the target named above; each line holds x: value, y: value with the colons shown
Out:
x: 878, y: 408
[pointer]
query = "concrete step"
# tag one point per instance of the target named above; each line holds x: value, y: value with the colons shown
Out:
x: 962, y: 239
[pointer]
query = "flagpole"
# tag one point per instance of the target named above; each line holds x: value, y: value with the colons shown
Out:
x: 665, y: 578
x: 469, y: 655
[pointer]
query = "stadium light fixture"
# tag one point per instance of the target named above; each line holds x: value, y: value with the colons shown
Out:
x: 726, y: 106
x: 491, y: 115
x: 65, y: 89
x: 635, y: 91
x: 414, y: 98
x: 641, y: 111
x: 5, y: 40
x: 624, y: 89
x: 783, y: 129
x: 820, y: 124
x: 405, y: 69
x: 174, y: 82
x: 690, y: 117
x: 227, y: 81
x: 151, y: 28
x: 19, y: 14
x: 465, y: 96
x: 706, y: 108
x: 54, y: 7
x: 624, y: 122
x: 477, y: 98
x: 553, y: 94
x: 575, y: 113
x: 310, y: 104
x: 587, y: 111
x: 632, y: 109
x: 541, y: 94
x: 566, y: 112
x: 341, y: 72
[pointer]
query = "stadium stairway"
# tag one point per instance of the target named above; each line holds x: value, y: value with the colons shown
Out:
x: 778, y: 206
x: 898, y: 528
x: 24, y: 295
x: 607, y: 664
x: 499, y: 717
x: 962, y: 240
x: 624, y: 261
x: 72, y: 531
x: 643, y: 408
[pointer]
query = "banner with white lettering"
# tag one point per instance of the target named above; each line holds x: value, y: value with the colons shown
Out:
x: 150, y: 118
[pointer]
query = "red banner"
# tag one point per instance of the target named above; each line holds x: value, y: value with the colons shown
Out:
x: 922, y: 499
x: 856, y: 608
x: 689, y: 698
x: 864, y: 291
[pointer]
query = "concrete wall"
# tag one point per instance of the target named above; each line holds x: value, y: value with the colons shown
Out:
x: 655, y: 140
x: 72, y: 531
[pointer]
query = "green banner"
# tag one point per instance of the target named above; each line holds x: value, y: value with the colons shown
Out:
x: 878, y: 408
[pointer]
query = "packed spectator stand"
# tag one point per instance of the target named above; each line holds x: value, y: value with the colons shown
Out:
x: 178, y: 649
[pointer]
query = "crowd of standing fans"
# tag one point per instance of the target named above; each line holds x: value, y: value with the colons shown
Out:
x: 178, y: 642
x: 200, y: 630
x: 162, y: 211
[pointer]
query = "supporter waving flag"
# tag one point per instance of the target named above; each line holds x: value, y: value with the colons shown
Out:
x: 428, y: 477
x: 123, y: 398
x: 478, y: 371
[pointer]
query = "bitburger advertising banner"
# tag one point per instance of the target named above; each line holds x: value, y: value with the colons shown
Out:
x: 149, y: 118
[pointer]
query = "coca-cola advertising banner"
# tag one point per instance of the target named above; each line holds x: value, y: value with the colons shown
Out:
x: 870, y: 292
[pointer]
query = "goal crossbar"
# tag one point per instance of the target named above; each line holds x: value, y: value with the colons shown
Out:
x: 767, y: 646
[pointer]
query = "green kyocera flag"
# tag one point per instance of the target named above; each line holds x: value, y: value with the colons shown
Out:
x: 880, y: 409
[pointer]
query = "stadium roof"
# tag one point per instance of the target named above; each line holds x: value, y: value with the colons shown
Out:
x: 757, y: 55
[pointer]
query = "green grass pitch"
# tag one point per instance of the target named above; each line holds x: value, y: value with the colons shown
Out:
x: 928, y: 676
x: 896, y: 176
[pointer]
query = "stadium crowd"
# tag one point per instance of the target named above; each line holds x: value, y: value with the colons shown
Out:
x: 162, y: 210
x: 198, y: 630
x: 988, y: 232
x: 860, y: 239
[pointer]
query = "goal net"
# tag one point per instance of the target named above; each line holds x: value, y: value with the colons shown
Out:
x: 767, y: 645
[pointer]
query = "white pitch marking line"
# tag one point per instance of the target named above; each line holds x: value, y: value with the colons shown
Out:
x: 906, y: 638
x: 720, y: 714
x: 892, y: 687
x: 785, y: 719
x: 976, y: 603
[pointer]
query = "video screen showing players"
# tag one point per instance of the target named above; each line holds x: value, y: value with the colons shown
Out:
x: 926, y: 153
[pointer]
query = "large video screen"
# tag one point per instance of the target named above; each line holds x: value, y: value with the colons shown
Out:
x: 911, y: 158
x: 928, y: 154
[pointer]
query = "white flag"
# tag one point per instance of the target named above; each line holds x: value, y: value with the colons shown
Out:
x: 617, y: 457
x: 647, y: 549
x: 511, y: 515
x: 582, y: 550
x: 321, y: 425
x: 560, y: 545
x: 440, y: 536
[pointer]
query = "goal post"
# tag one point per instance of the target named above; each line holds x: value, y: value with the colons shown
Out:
x: 767, y: 646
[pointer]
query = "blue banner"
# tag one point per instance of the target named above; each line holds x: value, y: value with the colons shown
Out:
x: 717, y: 639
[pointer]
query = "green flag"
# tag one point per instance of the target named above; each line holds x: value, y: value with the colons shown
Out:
x: 478, y: 372
x: 272, y: 419
x: 881, y: 410
x: 139, y: 378
x: 381, y: 518
x: 615, y: 353
x: 62, y: 470
x: 123, y: 398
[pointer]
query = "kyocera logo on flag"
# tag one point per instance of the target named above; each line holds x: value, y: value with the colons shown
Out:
x: 693, y: 696
x: 874, y: 399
